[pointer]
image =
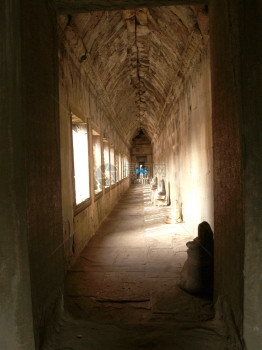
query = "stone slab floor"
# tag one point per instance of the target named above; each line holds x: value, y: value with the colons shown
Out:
x: 122, y: 292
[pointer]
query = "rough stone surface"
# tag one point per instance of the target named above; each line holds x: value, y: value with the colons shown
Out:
x: 29, y: 107
x: 183, y: 149
x: 69, y: 6
x: 197, y: 272
x: 43, y: 187
x: 80, y: 95
x: 252, y: 107
x: 16, y: 322
x: 122, y: 292
x: 228, y: 166
x: 137, y: 59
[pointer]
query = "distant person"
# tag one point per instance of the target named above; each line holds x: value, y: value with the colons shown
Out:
x: 137, y: 173
x: 141, y: 172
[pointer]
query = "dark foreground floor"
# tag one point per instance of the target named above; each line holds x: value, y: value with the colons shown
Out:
x: 122, y: 293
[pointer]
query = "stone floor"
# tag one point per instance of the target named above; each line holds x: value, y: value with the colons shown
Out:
x: 122, y: 292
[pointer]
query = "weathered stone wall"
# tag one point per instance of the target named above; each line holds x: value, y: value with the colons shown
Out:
x: 228, y: 167
x: 81, y: 94
x: 43, y: 187
x: 251, y: 29
x: 183, y: 150
x: 32, y: 208
x: 63, y: 6
x: 137, y: 59
x: 16, y: 322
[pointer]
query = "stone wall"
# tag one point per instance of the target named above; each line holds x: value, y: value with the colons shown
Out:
x: 183, y: 150
x: 228, y: 166
x: 80, y: 94
x: 35, y: 248
x: 251, y: 27
x: 16, y: 322
x: 43, y: 186
x: 32, y: 208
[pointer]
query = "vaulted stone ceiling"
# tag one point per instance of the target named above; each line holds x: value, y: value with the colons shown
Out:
x: 141, y: 58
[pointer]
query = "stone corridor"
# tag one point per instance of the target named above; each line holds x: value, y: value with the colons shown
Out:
x: 186, y: 73
x: 122, y: 292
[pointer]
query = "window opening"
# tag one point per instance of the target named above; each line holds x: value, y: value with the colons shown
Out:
x: 112, y: 166
x: 97, y: 162
x: 117, y: 166
x: 106, y: 163
x: 126, y: 167
x: 80, y: 160
x: 120, y: 167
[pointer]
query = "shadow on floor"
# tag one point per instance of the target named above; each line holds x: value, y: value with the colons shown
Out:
x: 122, y: 292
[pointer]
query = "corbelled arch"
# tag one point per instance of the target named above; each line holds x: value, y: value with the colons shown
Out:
x: 137, y: 65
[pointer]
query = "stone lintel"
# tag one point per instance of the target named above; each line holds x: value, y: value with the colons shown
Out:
x: 80, y: 6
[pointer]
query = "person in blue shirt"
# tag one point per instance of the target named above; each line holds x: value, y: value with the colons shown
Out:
x: 141, y: 171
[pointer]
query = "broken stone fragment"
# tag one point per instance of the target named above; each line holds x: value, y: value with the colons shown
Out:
x: 197, y: 272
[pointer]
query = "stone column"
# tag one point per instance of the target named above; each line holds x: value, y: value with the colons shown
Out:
x: 251, y: 69
x: 236, y: 61
x: 225, y: 48
x: 15, y: 292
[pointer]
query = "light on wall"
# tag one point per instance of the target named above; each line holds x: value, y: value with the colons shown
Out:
x: 81, y: 170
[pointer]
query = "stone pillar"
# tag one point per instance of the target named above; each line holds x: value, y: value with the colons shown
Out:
x: 15, y: 291
x: 251, y: 68
x: 225, y: 50
x: 236, y: 61
x: 40, y: 105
